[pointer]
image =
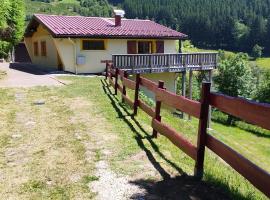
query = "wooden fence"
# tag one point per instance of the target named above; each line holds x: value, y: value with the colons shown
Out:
x: 252, y: 112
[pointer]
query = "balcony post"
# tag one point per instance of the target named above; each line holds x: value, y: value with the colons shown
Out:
x: 190, y: 87
x: 183, y: 88
x: 150, y: 63
x: 210, y: 107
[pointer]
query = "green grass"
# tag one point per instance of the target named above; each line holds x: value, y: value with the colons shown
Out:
x: 188, y: 47
x: 263, y: 63
x: 126, y: 137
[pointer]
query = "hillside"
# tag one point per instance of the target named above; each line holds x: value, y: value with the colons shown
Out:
x: 68, y: 7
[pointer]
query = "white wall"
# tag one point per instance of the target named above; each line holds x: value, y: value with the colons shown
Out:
x: 170, y: 46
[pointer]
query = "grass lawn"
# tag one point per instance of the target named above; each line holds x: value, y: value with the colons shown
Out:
x: 50, y: 151
x: 263, y: 63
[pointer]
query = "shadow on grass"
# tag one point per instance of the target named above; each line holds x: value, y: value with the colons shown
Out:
x: 180, y: 187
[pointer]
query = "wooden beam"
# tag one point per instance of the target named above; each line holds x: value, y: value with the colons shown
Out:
x: 179, y: 102
x: 176, y: 138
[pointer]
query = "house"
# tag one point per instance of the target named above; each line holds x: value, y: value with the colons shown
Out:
x: 79, y: 44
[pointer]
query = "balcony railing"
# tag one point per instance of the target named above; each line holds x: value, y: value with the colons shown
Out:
x: 155, y: 63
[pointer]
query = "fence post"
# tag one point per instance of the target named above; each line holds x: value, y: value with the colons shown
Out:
x: 201, y: 141
x: 124, y: 87
x: 106, y: 71
x: 116, y: 81
x: 136, y: 98
x: 158, y: 108
x: 110, y: 71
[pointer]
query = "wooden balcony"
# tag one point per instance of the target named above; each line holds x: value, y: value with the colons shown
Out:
x: 157, y: 63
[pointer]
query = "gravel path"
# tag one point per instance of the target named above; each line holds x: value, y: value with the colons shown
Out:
x: 112, y: 186
x: 26, y: 75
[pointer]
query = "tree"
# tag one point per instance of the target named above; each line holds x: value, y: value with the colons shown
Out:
x: 12, y: 17
x: 263, y: 92
x: 240, y: 33
x: 4, y: 7
x: 257, y: 51
x: 268, y: 33
x: 235, y: 78
x: 16, y: 20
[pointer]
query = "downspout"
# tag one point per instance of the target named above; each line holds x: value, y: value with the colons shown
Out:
x: 75, y: 55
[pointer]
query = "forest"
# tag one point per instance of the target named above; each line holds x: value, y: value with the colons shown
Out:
x: 220, y: 24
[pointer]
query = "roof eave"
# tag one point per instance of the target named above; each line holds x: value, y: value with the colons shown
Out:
x: 121, y: 37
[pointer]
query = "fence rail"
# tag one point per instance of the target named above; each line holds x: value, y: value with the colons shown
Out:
x: 151, y: 63
x: 255, y: 113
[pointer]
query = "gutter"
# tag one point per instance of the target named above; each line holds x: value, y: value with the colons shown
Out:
x: 75, y: 54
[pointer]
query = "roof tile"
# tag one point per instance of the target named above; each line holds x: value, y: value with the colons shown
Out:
x: 93, y: 26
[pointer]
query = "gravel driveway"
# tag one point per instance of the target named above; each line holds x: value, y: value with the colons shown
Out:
x: 26, y: 75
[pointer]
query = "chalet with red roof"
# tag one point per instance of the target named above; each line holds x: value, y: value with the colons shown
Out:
x: 80, y: 44
x: 84, y: 44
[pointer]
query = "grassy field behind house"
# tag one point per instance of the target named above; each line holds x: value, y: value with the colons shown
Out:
x: 49, y: 151
x: 262, y: 63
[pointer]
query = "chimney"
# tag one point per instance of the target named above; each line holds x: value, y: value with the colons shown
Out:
x: 118, y: 14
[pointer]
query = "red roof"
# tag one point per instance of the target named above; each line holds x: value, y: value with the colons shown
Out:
x: 78, y: 26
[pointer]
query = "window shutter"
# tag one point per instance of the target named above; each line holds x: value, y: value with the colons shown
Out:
x: 160, y: 46
x: 131, y: 47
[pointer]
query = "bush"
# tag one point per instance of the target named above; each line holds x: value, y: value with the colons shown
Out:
x: 263, y: 92
x: 4, y: 49
x: 235, y: 78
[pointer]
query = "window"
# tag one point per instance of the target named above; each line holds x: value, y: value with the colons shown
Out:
x: 144, y: 47
x: 36, y: 48
x: 160, y: 46
x: 43, y: 48
x: 93, y: 45
x: 131, y: 47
